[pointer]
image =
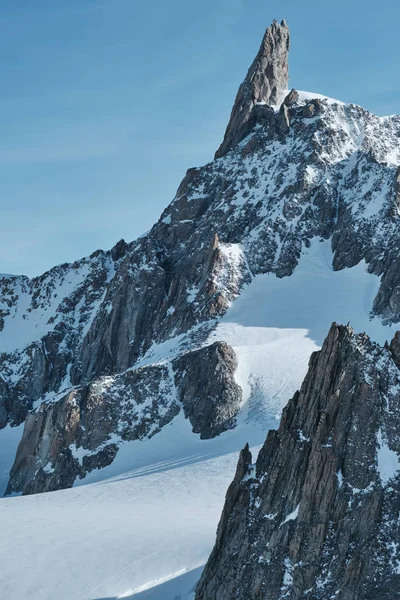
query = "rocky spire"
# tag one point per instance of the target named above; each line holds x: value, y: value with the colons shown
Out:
x: 266, y: 78
x: 317, y: 518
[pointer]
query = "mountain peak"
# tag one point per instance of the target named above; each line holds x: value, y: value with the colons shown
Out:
x: 267, y: 77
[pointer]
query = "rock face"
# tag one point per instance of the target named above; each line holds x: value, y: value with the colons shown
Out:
x: 70, y: 437
x: 267, y: 77
x: 313, y: 169
x: 65, y: 439
x: 207, y: 389
x: 317, y: 515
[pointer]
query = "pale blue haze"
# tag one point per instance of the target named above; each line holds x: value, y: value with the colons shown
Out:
x: 105, y: 104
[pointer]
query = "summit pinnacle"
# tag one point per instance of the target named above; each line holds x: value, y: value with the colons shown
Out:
x: 266, y: 78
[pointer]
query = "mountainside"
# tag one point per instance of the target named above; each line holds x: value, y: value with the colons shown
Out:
x: 317, y: 515
x: 96, y: 353
x: 135, y: 376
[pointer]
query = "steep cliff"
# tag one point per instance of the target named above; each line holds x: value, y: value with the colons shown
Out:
x: 265, y: 81
x: 317, y: 515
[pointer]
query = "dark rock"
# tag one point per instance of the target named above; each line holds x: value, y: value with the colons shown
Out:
x: 395, y: 209
x: 264, y: 114
x: 119, y: 250
x: 69, y: 438
x: 387, y: 301
x: 100, y: 459
x: 312, y: 109
x: 318, y: 517
x: 395, y: 348
x: 291, y: 210
x: 233, y: 496
x: 292, y: 98
x: 265, y: 80
x: 4, y: 393
x: 207, y: 390
x: 283, y: 120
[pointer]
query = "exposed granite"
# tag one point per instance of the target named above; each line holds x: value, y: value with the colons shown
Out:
x: 317, y: 516
x: 267, y: 77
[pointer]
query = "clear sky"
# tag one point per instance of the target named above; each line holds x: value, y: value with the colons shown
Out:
x: 105, y: 103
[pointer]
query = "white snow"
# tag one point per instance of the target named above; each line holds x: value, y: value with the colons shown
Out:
x: 36, y: 305
x: 143, y: 527
x: 340, y: 478
x: 304, y: 96
x: 287, y: 577
x: 293, y: 515
x: 302, y: 437
x: 147, y: 531
x: 192, y: 292
x: 25, y: 325
x: 48, y: 468
x: 270, y: 516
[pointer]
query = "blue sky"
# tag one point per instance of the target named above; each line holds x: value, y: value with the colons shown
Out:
x: 106, y: 103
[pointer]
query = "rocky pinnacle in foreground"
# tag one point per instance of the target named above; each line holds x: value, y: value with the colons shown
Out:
x: 317, y: 516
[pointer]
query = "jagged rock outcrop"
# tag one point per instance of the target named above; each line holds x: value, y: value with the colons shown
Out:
x: 100, y: 315
x: 317, y: 515
x: 81, y: 431
x: 207, y: 389
x: 67, y: 438
x: 283, y: 119
x: 267, y: 77
x: 3, y: 411
x: 292, y: 98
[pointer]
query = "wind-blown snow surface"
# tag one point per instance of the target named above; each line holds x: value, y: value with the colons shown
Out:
x: 146, y: 531
x: 117, y: 537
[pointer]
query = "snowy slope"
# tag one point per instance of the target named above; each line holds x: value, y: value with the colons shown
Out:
x: 304, y: 96
x: 148, y: 528
x: 104, y: 540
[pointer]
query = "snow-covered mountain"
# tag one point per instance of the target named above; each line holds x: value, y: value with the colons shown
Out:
x: 158, y: 360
